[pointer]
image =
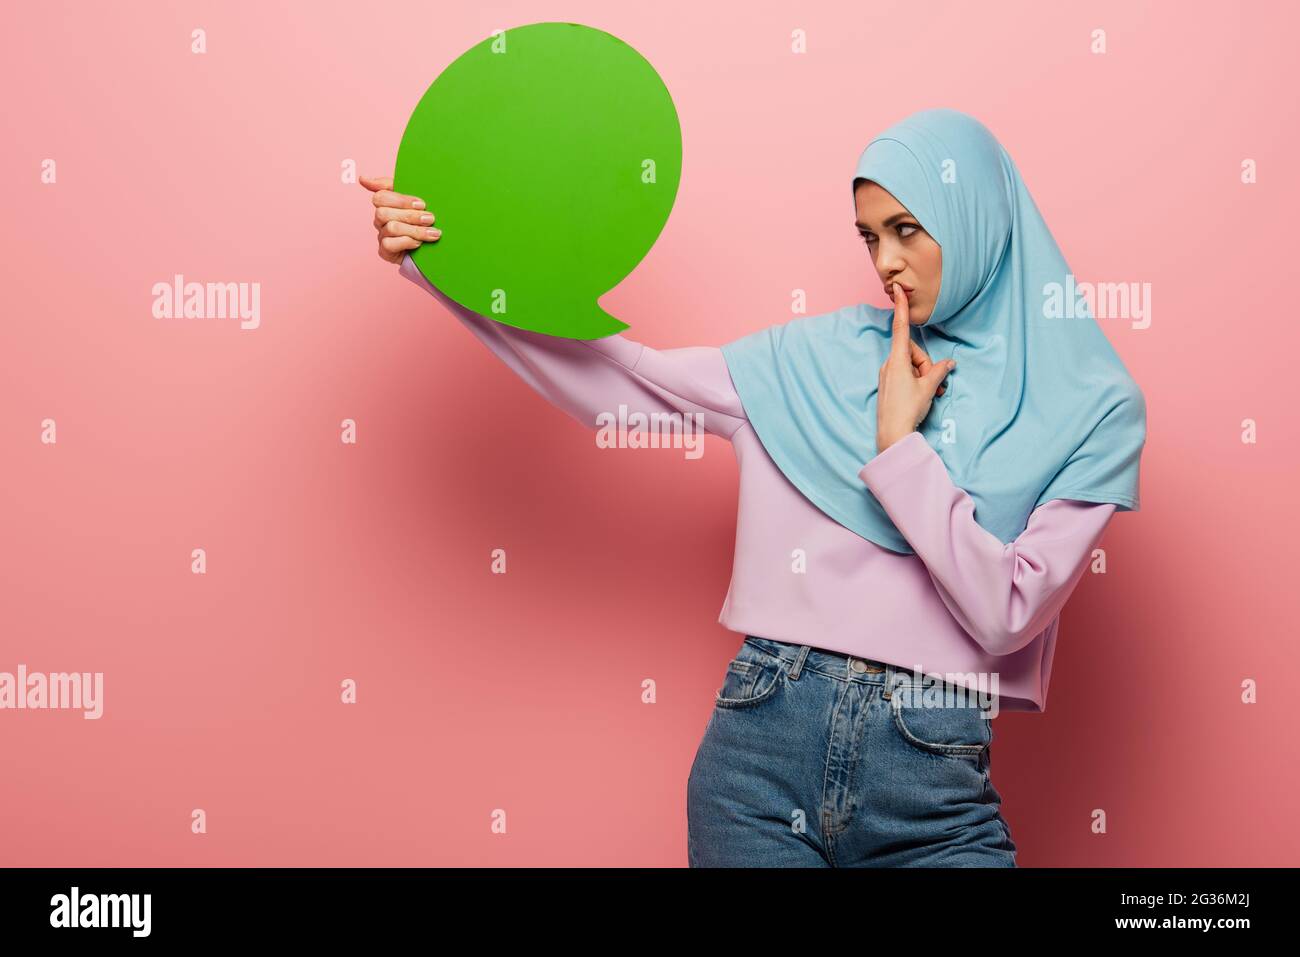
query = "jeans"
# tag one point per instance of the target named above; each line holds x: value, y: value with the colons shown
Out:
x: 813, y: 758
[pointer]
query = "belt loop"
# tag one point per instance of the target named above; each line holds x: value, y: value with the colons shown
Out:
x: 889, y: 682
x: 797, y: 669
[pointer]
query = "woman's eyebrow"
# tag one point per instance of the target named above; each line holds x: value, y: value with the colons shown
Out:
x: 889, y: 222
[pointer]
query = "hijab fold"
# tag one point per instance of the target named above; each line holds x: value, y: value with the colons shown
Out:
x: 1038, y: 408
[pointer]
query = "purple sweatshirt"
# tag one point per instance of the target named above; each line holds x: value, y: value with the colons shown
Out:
x: 963, y: 606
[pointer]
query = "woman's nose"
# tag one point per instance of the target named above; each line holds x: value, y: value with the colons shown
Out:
x: 888, y: 264
x: 889, y: 257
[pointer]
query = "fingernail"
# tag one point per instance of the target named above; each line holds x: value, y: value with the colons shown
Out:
x: 418, y: 204
x: 426, y: 218
x: 433, y: 233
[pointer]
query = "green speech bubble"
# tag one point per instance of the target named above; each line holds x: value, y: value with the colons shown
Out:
x: 551, y: 156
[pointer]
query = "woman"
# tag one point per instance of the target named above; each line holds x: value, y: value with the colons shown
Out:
x: 894, y: 557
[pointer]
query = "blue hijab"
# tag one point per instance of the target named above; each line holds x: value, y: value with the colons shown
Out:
x: 1038, y: 408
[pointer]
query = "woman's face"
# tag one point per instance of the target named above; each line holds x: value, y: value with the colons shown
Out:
x: 901, y: 250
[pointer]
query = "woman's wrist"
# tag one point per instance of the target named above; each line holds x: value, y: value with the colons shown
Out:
x: 885, y: 439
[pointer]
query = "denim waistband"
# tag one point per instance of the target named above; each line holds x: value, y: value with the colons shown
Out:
x: 834, y: 663
x: 846, y: 667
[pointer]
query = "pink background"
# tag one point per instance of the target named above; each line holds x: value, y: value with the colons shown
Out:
x: 522, y: 692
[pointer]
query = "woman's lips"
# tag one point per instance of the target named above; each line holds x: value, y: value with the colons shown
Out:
x: 889, y: 289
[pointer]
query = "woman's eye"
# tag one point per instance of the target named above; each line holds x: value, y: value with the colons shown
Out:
x: 870, y: 238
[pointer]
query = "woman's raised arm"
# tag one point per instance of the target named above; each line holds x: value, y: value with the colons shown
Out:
x: 590, y: 377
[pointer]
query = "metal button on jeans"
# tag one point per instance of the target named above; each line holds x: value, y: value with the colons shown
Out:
x: 858, y: 665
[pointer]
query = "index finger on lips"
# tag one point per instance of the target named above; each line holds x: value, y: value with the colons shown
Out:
x: 900, y: 334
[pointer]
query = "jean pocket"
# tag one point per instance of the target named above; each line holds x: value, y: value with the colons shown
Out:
x: 959, y: 730
x: 751, y: 678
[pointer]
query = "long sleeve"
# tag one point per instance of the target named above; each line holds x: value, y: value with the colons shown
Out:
x: 589, y: 378
x: 1002, y: 594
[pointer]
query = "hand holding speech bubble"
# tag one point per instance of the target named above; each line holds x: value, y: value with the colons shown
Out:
x: 551, y: 155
